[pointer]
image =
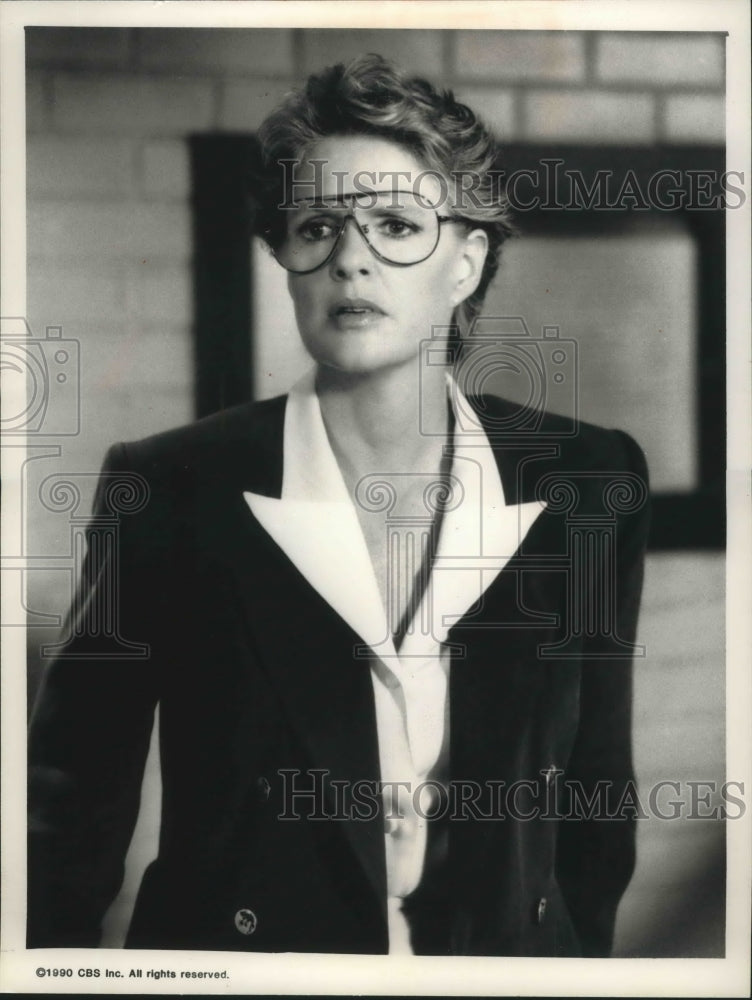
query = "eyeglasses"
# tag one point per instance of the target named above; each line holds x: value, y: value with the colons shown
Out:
x: 399, y: 228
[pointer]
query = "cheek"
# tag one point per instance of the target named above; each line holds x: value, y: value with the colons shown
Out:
x: 303, y: 299
x: 431, y: 293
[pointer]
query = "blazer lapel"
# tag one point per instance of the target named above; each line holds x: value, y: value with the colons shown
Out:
x: 280, y: 552
x: 496, y: 673
x: 323, y: 540
x: 306, y: 652
x: 315, y: 523
x: 478, y: 537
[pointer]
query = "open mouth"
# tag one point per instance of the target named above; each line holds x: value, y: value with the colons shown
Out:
x: 355, y: 307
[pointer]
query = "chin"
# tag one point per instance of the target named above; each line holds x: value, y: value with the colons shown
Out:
x: 355, y: 365
x: 356, y: 356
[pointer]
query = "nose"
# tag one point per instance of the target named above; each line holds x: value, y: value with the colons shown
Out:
x: 352, y: 255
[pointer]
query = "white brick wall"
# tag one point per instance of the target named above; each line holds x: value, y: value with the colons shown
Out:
x: 419, y: 51
x: 529, y: 55
x: 694, y: 117
x: 126, y: 104
x: 589, y: 116
x: 82, y: 167
x: 101, y: 47
x: 76, y: 231
x: 163, y: 295
x: 36, y: 102
x: 245, y: 103
x: 164, y: 170
x: 76, y: 294
x: 664, y: 60
x: 495, y: 105
x: 265, y: 51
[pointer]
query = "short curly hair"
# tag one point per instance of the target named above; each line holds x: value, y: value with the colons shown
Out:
x: 370, y: 96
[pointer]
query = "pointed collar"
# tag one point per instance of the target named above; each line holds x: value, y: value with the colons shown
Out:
x: 315, y: 523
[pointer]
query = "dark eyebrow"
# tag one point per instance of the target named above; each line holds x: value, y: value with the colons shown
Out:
x: 319, y: 208
x: 389, y: 209
x: 319, y: 204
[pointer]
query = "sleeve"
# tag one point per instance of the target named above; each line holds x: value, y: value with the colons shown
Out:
x: 596, y: 853
x: 89, y: 737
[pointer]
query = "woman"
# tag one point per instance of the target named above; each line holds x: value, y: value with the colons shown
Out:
x: 357, y: 602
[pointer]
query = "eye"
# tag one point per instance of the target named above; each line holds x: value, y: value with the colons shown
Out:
x: 316, y: 230
x: 398, y: 228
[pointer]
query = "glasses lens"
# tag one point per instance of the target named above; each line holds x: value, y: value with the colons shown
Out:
x: 312, y: 231
x: 399, y: 226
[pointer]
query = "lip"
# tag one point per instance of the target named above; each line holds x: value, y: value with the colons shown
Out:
x: 350, y: 315
x: 343, y: 308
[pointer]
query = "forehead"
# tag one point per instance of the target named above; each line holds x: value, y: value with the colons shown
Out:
x: 341, y: 165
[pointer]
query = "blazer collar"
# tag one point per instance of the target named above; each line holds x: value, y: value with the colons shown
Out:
x: 315, y: 523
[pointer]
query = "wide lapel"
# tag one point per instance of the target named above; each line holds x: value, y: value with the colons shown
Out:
x: 315, y: 523
x: 480, y: 532
x: 307, y: 653
x: 312, y: 601
x: 496, y: 674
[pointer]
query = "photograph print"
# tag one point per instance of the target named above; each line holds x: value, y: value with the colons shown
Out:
x: 375, y: 491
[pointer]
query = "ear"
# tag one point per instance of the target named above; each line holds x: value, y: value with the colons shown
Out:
x: 472, y: 253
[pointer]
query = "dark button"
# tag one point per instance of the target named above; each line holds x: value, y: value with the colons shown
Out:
x: 245, y: 921
x: 540, y: 913
x: 264, y: 789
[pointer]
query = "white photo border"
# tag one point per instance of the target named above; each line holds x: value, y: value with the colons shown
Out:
x: 342, y: 974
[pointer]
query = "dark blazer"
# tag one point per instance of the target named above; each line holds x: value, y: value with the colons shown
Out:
x: 255, y: 678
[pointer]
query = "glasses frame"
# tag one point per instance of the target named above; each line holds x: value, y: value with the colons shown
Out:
x: 364, y: 234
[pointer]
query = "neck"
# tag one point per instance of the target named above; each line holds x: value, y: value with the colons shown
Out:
x: 374, y: 421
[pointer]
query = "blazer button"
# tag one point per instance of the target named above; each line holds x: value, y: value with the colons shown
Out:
x: 245, y: 921
x: 264, y: 789
x: 540, y: 913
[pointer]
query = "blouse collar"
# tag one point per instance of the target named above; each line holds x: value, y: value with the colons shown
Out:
x: 315, y: 523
